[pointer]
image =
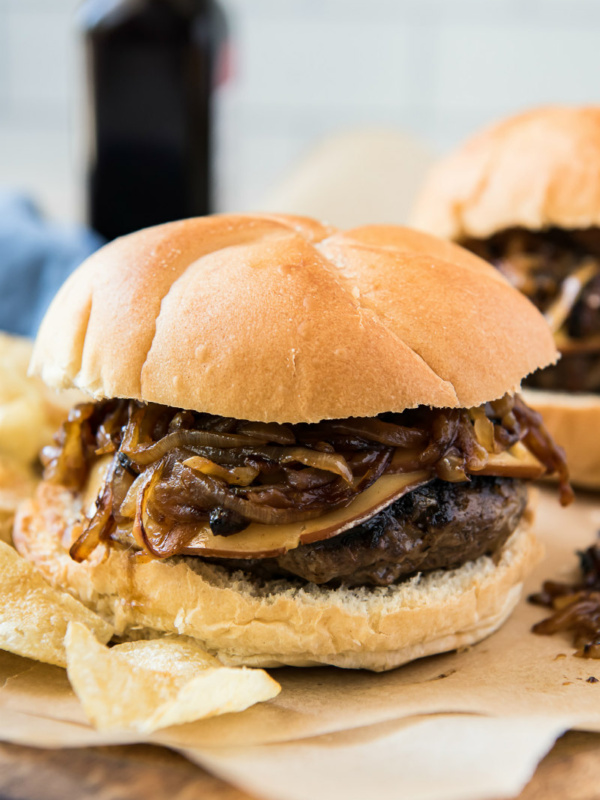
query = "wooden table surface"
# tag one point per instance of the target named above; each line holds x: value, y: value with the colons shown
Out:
x: 571, y: 771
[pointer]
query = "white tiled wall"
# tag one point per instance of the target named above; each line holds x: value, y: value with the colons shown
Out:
x: 304, y: 69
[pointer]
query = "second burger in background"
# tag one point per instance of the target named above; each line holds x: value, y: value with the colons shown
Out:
x: 525, y: 195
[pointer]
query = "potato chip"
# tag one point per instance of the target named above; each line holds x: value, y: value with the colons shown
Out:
x: 151, y: 684
x: 30, y: 413
x: 34, y: 616
x: 17, y: 482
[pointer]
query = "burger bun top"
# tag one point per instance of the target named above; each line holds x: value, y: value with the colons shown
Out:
x: 284, y: 319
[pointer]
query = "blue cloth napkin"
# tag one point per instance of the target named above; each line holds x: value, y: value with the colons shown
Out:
x: 36, y: 256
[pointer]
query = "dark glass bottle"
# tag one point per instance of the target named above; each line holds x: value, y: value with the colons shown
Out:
x: 153, y: 66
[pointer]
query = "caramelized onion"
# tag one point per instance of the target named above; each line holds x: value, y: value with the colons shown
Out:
x: 576, y: 607
x: 121, y: 484
x: 92, y: 535
x: 502, y: 407
x: 143, y: 455
x: 98, y: 527
x: 570, y: 292
x: 484, y: 428
x: 174, y: 469
x: 308, y: 478
x: 68, y: 464
x: 413, y: 459
x: 539, y: 441
x: 161, y: 541
x: 268, y: 432
x: 331, y: 462
x: 451, y: 468
x: 475, y: 456
x: 158, y: 540
x: 375, y: 430
x: 209, y: 491
x: 128, y: 505
x: 150, y: 479
x: 182, y: 419
x: 109, y: 429
x: 141, y: 425
x: 240, y: 476
x: 376, y: 469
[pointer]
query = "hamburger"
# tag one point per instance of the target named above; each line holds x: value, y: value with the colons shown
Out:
x: 525, y: 196
x: 302, y: 446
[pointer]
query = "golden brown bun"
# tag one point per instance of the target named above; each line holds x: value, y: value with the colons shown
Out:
x: 574, y: 422
x: 282, y: 319
x: 275, y: 623
x: 534, y: 170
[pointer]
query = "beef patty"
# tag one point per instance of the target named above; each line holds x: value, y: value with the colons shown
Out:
x: 438, y: 526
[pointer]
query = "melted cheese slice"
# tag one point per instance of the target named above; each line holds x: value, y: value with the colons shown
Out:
x: 516, y: 462
x: 262, y: 541
x: 94, y: 485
